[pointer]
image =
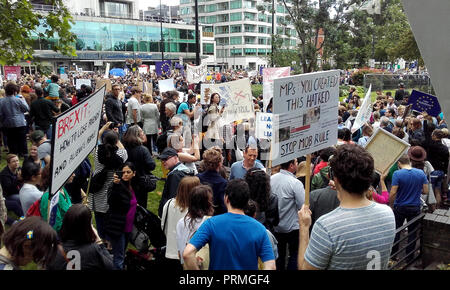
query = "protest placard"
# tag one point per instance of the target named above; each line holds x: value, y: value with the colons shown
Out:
x: 64, y: 77
x: 166, y: 85
x: 196, y: 74
x: 75, y: 135
x: 269, y: 74
x: 385, y: 149
x: 264, y: 124
x: 107, y: 71
x: 307, y: 108
x: 364, y: 112
x: 12, y: 72
x: 423, y: 102
x: 236, y: 96
x: 146, y: 87
x: 80, y: 82
x: 101, y: 82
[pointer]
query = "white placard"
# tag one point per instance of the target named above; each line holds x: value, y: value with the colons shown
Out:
x: 75, y: 135
x: 364, y: 112
x: 269, y: 74
x: 143, y: 70
x: 11, y: 77
x: 264, y: 125
x: 107, y: 71
x: 166, y: 85
x: 64, y: 77
x: 196, y: 74
x: 236, y: 96
x: 307, y: 114
x: 82, y: 82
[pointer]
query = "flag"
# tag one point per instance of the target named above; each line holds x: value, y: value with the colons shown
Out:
x: 163, y: 66
x: 364, y: 112
x: 180, y: 67
x: 424, y: 102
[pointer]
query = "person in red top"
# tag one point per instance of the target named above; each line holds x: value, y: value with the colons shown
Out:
x: 324, y: 156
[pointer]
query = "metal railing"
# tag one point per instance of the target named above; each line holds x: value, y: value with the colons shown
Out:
x: 404, y: 261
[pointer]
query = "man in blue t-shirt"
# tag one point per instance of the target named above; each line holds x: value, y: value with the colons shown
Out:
x: 407, y: 186
x: 236, y: 241
x: 239, y: 168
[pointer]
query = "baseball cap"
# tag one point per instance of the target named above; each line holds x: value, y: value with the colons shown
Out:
x: 37, y: 135
x: 167, y: 153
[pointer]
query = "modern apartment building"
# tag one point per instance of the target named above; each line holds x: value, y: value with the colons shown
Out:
x: 111, y: 32
x: 242, y: 32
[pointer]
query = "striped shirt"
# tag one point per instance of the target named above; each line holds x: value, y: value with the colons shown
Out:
x: 98, y: 202
x: 352, y: 239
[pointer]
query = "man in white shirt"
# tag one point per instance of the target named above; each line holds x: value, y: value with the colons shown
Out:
x: 134, y: 108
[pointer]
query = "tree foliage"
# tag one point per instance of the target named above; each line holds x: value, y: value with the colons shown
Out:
x: 20, y: 23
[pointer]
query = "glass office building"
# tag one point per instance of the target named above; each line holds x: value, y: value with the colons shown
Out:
x: 114, y: 40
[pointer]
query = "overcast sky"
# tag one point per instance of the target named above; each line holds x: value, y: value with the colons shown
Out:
x: 143, y: 4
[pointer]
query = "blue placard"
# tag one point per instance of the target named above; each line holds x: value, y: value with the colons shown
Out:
x: 424, y: 102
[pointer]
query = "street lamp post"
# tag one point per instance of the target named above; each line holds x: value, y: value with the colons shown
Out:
x: 197, y: 36
x: 162, y: 38
x: 234, y: 57
x: 273, y: 27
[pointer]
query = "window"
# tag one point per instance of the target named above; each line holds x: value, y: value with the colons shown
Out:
x: 235, y: 51
x: 222, y: 29
x: 185, y: 1
x: 211, y: 8
x: 249, y: 16
x: 280, y: 8
x: 114, y: 9
x: 211, y: 19
x: 222, y: 6
x: 236, y: 40
x: 262, y: 51
x: 249, y: 4
x: 262, y: 29
x: 236, y: 28
x: 208, y: 48
x: 262, y: 17
x: 249, y: 40
x: 235, y: 16
x: 249, y: 28
x: 223, y: 40
x: 250, y: 51
x: 262, y: 40
x: 236, y: 4
x: 223, y: 18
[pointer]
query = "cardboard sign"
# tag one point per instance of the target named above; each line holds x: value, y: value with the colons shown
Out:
x: 102, y: 82
x: 75, y: 134
x: 196, y: 74
x: 80, y: 82
x: 166, y: 85
x: 146, y: 87
x: 364, y: 112
x: 307, y: 106
x: 269, y: 74
x: 385, y: 149
x: 107, y: 71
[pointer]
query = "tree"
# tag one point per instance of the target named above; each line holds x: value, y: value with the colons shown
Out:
x: 19, y: 26
x: 312, y: 17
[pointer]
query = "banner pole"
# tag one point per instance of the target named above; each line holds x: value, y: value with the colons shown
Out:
x: 307, y: 178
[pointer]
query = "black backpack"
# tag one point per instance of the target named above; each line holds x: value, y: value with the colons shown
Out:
x: 161, y: 141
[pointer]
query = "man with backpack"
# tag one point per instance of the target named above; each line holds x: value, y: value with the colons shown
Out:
x: 177, y: 170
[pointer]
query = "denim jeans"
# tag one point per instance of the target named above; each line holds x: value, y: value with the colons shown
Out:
x: 119, y: 245
x: 287, y: 240
x: 409, y: 213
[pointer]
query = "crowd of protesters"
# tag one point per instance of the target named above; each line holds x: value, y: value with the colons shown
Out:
x: 222, y: 207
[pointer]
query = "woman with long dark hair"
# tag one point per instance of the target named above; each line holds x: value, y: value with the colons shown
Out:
x: 109, y: 156
x: 200, y: 208
x: 77, y: 233
x: 267, y: 202
x: 122, y: 209
x: 29, y: 193
x: 139, y: 155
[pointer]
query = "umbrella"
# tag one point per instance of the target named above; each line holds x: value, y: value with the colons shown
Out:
x: 117, y: 72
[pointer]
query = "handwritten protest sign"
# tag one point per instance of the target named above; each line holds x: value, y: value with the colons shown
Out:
x: 75, y: 135
x: 269, y: 74
x: 364, y: 112
x: 108, y: 65
x: 308, y: 114
x: 146, y: 87
x: 196, y: 74
x: 385, y: 149
x: 264, y: 125
x: 80, y: 82
x: 166, y: 85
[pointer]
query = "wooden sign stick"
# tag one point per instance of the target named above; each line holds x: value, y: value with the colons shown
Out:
x: 307, y: 178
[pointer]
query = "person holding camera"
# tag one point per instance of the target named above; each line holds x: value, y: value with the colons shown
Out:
x: 122, y: 209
